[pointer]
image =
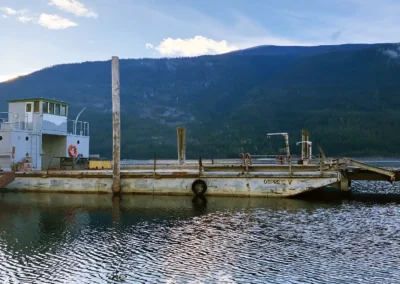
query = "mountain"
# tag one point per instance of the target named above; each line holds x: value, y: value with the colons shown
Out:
x: 347, y: 96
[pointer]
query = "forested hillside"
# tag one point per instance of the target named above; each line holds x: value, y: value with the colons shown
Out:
x: 347, y: 96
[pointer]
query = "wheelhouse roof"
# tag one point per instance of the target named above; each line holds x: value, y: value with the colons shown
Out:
x: 38, y: 99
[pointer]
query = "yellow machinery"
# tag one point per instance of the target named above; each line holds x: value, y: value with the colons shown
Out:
x: 99, y: 165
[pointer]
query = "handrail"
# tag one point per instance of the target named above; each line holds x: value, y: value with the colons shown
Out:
x: 14, y: 121
x: 80, y: 128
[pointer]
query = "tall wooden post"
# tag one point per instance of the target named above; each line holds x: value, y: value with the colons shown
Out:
x: 116, y: 208
x: 180, y: 131
x: 116, y: 186
x: 304, y: 146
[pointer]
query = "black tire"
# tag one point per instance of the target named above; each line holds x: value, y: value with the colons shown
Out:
x: 199, y: 187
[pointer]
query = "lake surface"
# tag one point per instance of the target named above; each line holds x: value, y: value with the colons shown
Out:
x: 322, y: 238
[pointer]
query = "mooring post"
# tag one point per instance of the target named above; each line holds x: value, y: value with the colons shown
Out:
x: 116, y: 186
x: 320, y: 163
x: 180, y: 132
x: 154, y: 164
x: 304, y: 147
x: 116, y: 199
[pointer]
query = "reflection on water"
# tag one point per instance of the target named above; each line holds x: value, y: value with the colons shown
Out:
x: 79, y: 238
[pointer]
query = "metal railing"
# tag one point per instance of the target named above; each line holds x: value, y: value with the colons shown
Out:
x: 33, y: 122
x: 78, y: 127
x: 13, y: 121
x: 20, y: 121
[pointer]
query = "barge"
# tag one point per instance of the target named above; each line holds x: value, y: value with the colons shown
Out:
x: 42, y: 150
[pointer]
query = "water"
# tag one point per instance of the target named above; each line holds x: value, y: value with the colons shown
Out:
x: 60, y: 238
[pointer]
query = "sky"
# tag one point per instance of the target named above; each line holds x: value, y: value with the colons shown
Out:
x: 35, y: 34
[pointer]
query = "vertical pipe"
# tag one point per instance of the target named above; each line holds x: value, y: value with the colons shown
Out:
x: 307, y: 138
x: 116, y: 186
x: 13, y: 160
x: 320, y: 163
x: 287, y: 144
x: 155, y: 163
x: 289, y: 158
x: 180, y: 131
x: 303, y: 149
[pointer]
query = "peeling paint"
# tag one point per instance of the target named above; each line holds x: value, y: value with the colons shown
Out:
x: 217, y: 185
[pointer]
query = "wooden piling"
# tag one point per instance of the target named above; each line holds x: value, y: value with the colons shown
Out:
x: 116, y: 186
x: 304, y: 146
x: 116, y: 199
x: 180, y: 131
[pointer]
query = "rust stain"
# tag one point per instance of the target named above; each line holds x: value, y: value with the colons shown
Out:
x: 178, y: 174
x: 6, y: 178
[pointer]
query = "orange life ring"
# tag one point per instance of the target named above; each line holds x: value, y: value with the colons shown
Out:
x: 72, y: 151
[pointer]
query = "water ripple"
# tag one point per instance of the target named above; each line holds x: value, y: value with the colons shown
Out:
x: 87, y: 239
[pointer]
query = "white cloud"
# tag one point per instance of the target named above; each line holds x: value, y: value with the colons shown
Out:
x: 8, y: 10
x: 149, y: 46
x: 55, y: 22
x: 25, y: 19
x: 73, y: 6
x: 198, y: 45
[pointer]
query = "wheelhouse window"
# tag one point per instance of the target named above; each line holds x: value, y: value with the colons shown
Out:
x: 29, y: 107
x: 63, y: 110
x: 36, y: 107
x: 45, y: 106
x: 57, y: 109
x: 54, y: 108
x: 51, y: 108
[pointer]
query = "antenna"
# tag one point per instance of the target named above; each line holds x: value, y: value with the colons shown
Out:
x: 76, y: 120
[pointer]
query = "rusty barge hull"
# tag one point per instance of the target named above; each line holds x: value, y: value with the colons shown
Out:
x: 221, y: 179
x: 6, y: 178
x: 272, y: 181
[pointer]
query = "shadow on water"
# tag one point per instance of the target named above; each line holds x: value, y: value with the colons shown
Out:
x: 88, y: 238
x: 199, y: 203
x: 320, y: 237
x: 330, y: 195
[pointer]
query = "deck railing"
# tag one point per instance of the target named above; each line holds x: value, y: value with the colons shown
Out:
x: 13, y: 121
x: 78, y: 127
x: 20, y: 121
